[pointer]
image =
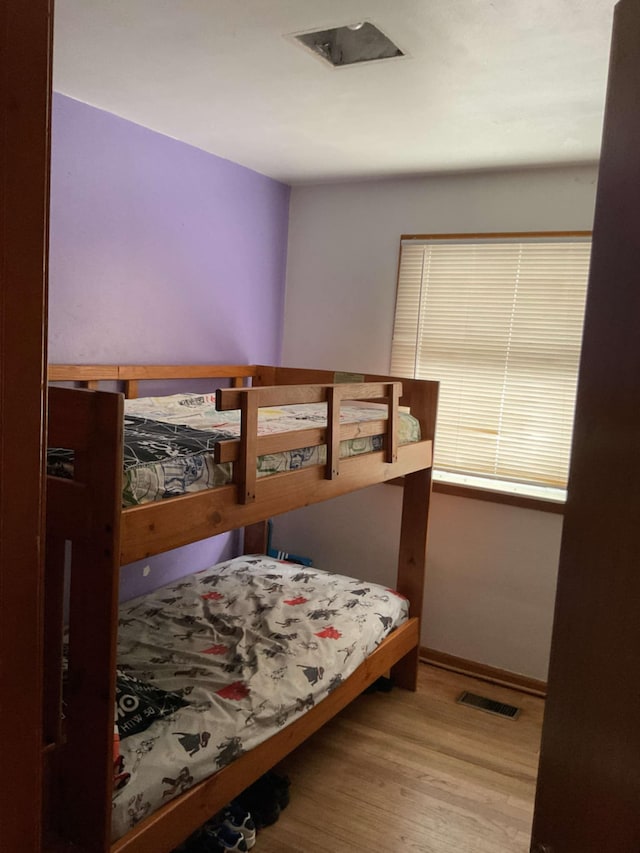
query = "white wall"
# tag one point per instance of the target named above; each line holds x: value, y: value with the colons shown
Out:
x: 492, y: 568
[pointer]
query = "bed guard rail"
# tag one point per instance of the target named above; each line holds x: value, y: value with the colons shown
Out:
x: 249, y: 446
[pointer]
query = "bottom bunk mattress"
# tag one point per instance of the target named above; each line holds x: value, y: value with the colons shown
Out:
x: 213, y: 664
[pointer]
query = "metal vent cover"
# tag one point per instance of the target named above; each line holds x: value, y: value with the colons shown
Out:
x: 350, y: 45
x: 491, y: 706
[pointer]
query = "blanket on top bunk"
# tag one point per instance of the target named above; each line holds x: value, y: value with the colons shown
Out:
x: 227, y: 657
x: 169, y: 442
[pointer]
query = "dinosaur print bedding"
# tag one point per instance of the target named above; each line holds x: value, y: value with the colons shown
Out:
x: 249, y: 645
x: 169, y: 443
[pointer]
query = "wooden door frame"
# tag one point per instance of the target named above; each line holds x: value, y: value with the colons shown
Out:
x: 589, y: 779
x: 25, y: 91
x: 25, y: 108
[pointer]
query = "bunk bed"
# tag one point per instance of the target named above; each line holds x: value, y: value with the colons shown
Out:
x: 85, y: 508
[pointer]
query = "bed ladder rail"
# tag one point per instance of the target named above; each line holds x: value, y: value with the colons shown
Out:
x: 91, y: 424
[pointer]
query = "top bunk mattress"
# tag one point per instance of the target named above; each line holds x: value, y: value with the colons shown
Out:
x: 169, y: 443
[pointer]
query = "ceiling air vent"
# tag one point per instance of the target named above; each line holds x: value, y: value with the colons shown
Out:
x: 340, y: 46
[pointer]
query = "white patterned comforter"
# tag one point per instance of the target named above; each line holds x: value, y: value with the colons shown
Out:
x: 251, y: 644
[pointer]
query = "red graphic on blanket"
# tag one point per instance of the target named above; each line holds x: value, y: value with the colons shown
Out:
x: 218, y: 649
x: 299, y: 600
x: 329, y: 633
x: 399, y: 594
x: 212, y: 596
x: 237, y: 690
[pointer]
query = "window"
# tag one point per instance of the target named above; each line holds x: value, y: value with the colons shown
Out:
x: 498, y: 320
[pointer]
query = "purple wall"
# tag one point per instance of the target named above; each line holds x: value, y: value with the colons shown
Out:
x: 160, y: 253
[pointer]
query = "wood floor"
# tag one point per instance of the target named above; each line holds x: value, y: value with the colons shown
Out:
x: 414, y: 772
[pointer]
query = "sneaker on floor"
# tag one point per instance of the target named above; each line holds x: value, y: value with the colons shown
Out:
x: 239, y: 820
x: 222, y: 839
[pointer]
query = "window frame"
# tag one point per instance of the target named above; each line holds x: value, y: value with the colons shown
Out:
x: 484, y: 489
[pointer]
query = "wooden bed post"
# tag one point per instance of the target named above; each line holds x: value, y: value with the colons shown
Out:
x: 88, y: 754
x: 412, y: 562
x: 412, y: 554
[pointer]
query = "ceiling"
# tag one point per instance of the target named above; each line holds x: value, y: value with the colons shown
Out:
x: 485, y: 83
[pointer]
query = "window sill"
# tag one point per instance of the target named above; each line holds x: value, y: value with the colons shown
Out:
x: 503, y: 494
x: 478, y: 493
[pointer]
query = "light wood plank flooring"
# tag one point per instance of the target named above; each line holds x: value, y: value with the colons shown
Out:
x: 414, y: 772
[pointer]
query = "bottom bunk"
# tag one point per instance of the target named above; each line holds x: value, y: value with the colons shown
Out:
x: 218, y: 662
x: 222, y: 673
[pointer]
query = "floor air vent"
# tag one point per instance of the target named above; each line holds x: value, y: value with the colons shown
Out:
x: 489, y: 705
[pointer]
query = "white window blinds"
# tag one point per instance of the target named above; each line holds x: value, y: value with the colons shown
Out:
x: 499, y: 322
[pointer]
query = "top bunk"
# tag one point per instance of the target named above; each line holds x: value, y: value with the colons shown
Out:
x: 370, y: 411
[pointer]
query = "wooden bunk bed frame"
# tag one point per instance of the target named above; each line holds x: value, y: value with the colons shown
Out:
x: 87, y: 511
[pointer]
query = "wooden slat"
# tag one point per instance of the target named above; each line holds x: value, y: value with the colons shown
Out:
x: 246, y: 473
x: 286, y: 395
x: 153, y: 528
x: 280, y: 442
x: 167, y: 827
x: 82, y: 372
x: 183, y: 371
x: 296, y: 375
